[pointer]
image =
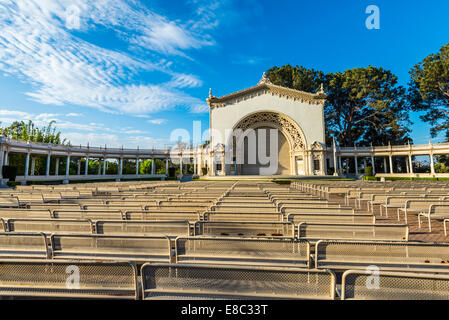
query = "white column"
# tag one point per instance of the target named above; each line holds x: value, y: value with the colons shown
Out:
x: 78, y: 169
x: 137, y: 166
x: 166, y: 167
x: 57, y: 167
x: 152, y: 166
x: 356, y: 166
x: 385, y: 165
x: 120, y: 168
x: 104, y: 166
x: 410, y: 163
x: 86, y: 166
x: 373, y: 165
x: 364, y: 164
x: 180, y: 165
x: 27, y: 164
x: 47, y: 169
x: 6, y: 160
x: 67, y: 166
x: 33, y: 165
x: 194, y: 165
x: 432, y: 164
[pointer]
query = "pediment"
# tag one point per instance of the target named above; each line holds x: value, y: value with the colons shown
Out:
x: 266, y: 87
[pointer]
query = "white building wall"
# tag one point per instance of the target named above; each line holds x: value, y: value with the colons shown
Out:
x: 308, y: 116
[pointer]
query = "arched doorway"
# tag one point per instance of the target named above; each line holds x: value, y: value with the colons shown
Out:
x: 273, y: 127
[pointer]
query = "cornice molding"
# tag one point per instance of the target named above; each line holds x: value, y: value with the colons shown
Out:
x: 266, y: 87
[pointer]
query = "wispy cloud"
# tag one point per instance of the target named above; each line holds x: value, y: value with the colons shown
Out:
x: 37, y: 46
x: 157, y: 121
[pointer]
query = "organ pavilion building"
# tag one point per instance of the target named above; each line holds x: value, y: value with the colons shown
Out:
x: 297, y: 116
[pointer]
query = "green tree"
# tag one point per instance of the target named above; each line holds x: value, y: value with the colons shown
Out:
x: 29, y: 132
x: 429, y: 90
x: 364, y: 105
x: 145, y: 167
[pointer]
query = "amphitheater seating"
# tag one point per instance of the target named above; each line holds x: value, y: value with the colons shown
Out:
x: 396, y: 202
x: 245, y: 229
x: 346, y: 254
x: 417, y: 206
x: 88, y: 214
x: 167, y: 228
x: 394, y: 286
x: 179, y: 281
x: 110, y: 247
x: 242, y: 251
x: 436, y: 212
x: 336, y: 231
x: 191, y: 216
x: 9, y: 202
x: 331, y: 218
x: 245, y: 216
x: 23, y: 245
x: 40, y: 279
x: 50, y: 225
x: 25, y: 213
x: 226, y: 239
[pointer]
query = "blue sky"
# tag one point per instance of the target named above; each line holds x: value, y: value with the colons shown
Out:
x: 121, y: 72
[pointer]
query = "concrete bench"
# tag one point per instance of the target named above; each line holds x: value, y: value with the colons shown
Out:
x: 349, y: 254
x: 23, y: 245
x: 394, y: 286
x: 244, y: 216
x: 337, y: 231
x: 110, y: 247
x: 51, y: 279
x: 332, y: 218
x: 50, y: 225
x: 435, y: 212
x: 181, y: 281
x: 245, y: 229
x: 150, y: 228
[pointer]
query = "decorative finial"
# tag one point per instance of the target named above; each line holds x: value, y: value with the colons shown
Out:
x: 322, y: 88
x: 210, y: 92
x: 265, y: 79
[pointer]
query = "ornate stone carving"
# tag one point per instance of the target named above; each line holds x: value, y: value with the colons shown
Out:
x: 316, y: 146
x: 283, y: 123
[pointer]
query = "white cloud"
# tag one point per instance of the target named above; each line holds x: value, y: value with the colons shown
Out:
x: 73, y: 114
x: 37, y: 47
x: 157, y: 121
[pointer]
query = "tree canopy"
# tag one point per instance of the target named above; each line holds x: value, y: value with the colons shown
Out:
x: 429, y: 90
x: 364, y: 105
x: 29, y: 132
